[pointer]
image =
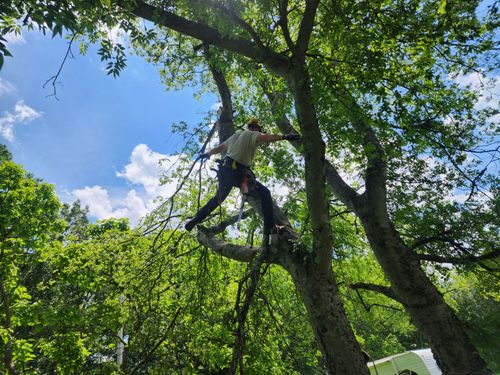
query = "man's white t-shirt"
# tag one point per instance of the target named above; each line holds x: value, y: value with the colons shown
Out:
x: 241, y: 146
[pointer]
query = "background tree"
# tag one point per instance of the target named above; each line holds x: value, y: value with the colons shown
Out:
x: 28, y: 223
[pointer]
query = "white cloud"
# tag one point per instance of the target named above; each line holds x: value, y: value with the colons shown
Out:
x: 487, y: 89
x: 144, y: 171
x: 25, y: 113
x: 14, y: 38
x: 145, y: 168
x: 22, y: 114
x: 97, y: 199
x: 102, y: 206
x: 6, y: 87
x: 115, y: 34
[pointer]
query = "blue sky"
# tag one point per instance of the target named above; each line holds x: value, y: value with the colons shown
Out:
x: 102, y: 140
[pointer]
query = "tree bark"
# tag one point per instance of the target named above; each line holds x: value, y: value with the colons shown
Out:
x: 320, y: 295
x: 312, y: 271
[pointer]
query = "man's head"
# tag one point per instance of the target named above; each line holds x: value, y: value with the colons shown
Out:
x: 253, y: 124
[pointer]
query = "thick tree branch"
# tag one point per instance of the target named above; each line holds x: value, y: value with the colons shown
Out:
x: 314, y: 158
x: 306, y: 28
x: 274, y: 61
x: 225, y: 120
x: 376, y: 169
x: 229, y: 250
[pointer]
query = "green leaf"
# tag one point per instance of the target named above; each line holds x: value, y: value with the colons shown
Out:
x: 1, y: 60
x: 442, y: 7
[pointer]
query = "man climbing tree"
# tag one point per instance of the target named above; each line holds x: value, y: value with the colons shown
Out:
x: 234, y: 171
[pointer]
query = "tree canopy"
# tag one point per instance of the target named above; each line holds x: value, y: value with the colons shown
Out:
x: 389, y: 141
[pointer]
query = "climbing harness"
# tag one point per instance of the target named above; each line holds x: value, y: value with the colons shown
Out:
x: 247, y: 184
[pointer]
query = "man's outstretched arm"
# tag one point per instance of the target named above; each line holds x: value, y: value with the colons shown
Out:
x: 216, y: 150
x: 262, y: 138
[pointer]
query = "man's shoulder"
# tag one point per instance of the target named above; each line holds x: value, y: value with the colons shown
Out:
x: 250, y: 133
x: 251, y: 136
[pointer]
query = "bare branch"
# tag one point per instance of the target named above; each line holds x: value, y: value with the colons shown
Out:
x: 221, y: 227
x: 368, y: 307
x: 53, y: 80
x: 240, y: 340
x: 473, y: 181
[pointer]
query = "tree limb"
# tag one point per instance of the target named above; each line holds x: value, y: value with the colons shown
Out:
x: 225, y: 120
x: 242, y: 310
x: 305, y: 30
x: 340, y: 188
x: 385, y: 290
x: 229, y: 250
x: 274, y: 61
x: 221, y: 227
x: 369, y: 307
x: 53, y: 80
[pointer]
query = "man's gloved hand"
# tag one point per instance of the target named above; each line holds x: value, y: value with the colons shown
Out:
x: 291, y: 137
x: 204, y: 156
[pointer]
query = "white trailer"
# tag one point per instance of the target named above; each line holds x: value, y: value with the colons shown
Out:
x: 414, y: 362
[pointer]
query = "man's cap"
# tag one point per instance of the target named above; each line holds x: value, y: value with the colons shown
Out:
x: 254, y: 123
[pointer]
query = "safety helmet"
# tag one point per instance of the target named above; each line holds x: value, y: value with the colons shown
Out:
x: 253, y: 124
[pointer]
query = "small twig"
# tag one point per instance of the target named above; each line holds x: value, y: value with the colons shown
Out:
x: 53, y: 80
x: 368, y: 307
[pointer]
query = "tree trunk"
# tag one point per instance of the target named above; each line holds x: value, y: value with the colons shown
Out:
x: 312, y: 271
x: 450, y: 344
x: 320, y: 295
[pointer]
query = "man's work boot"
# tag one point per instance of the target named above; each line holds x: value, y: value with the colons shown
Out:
x: 191, y: 224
